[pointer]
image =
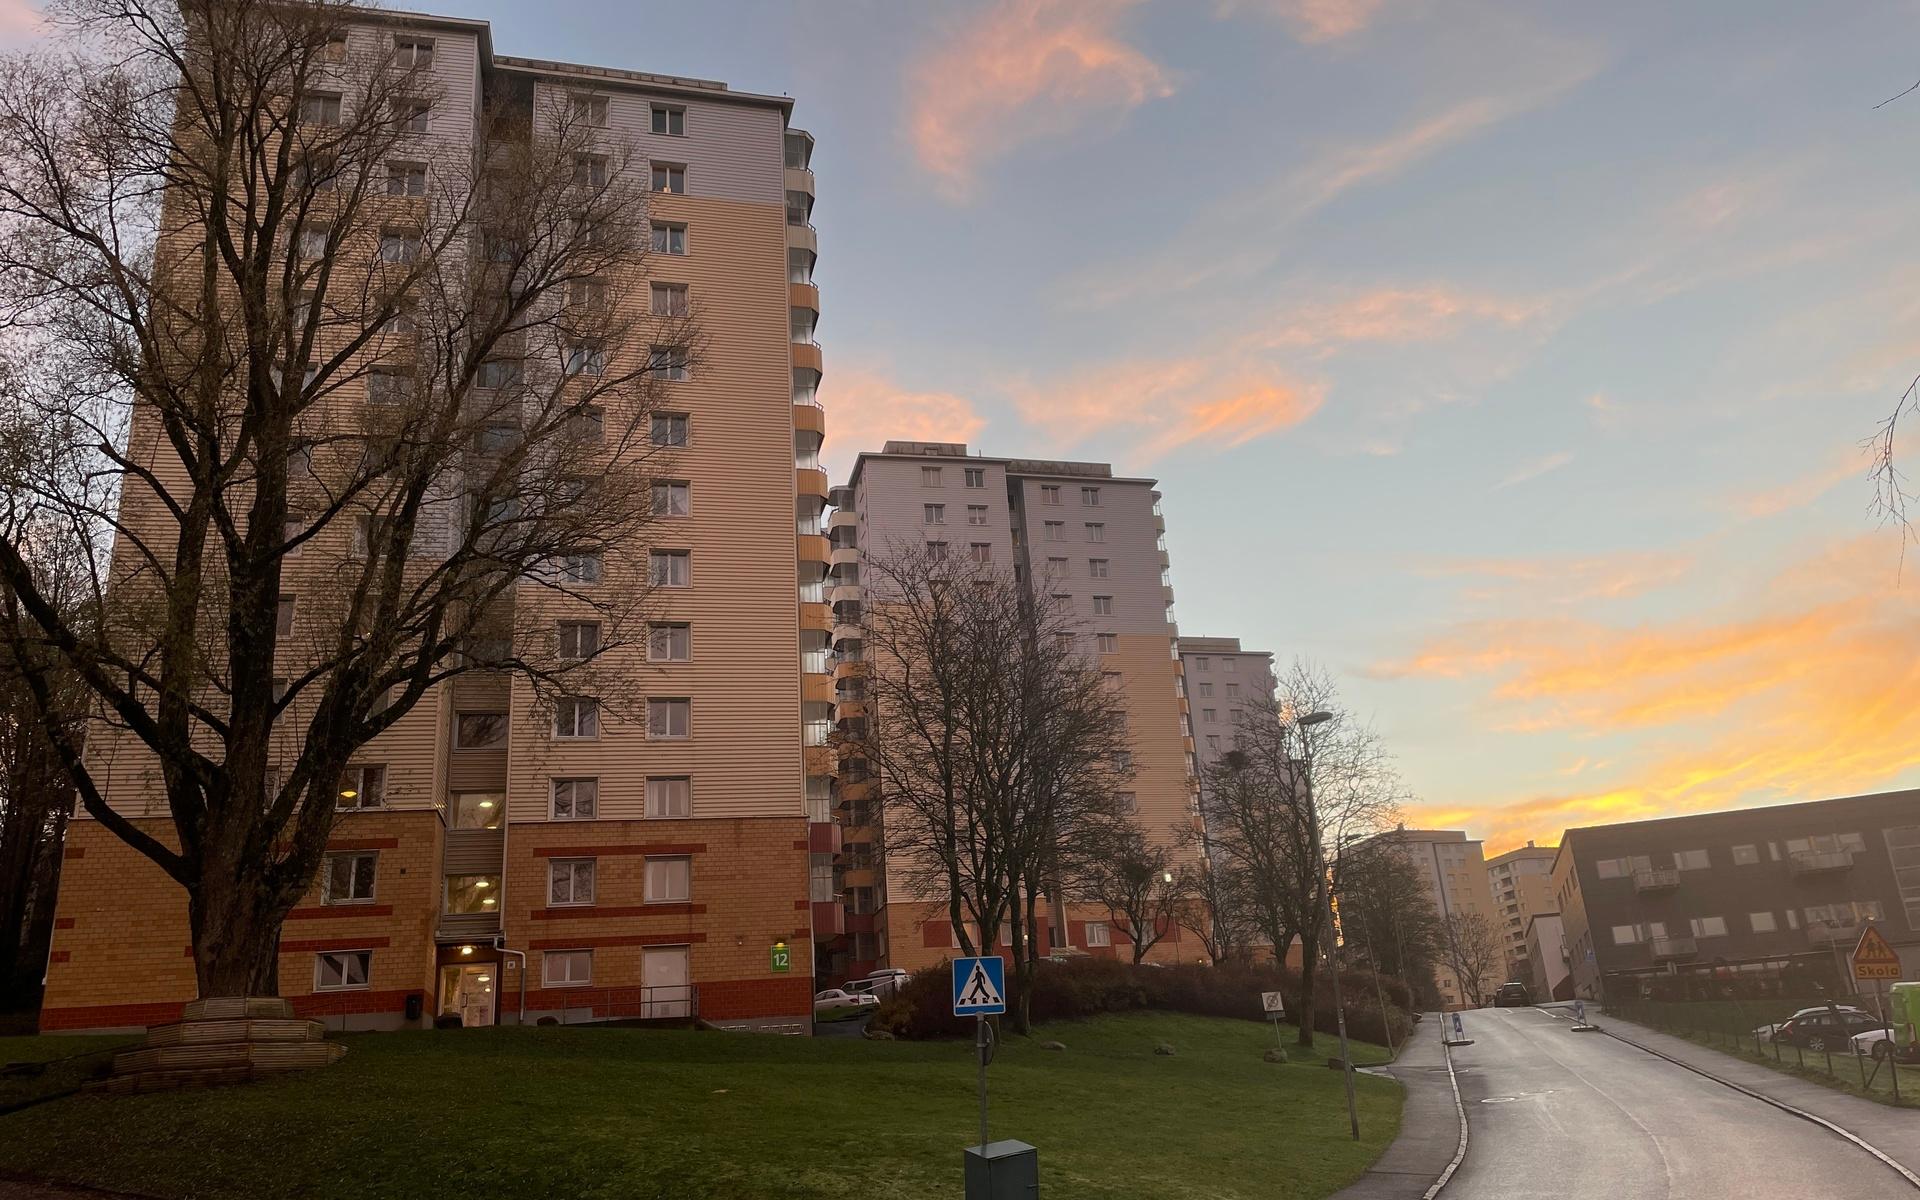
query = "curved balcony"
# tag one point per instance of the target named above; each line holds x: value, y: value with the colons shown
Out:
x: 804, y: 237
x: 811, y: 481
x: 800, y: 179
x: 804, y: 295
x: 816, y: 689
x: 845, y: 554
x: 811, y: 547
x: 841, y: 518
x: 815, y: 616
x: 809, y: 418
x: 838, y: 592
x: 841, y: 496
x: 847, y: 631
x: 821, y: 760
x: 806, y: 356
x: 849, y: 668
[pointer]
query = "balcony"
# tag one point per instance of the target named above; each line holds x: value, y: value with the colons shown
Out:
x: 1660, y: 879
x: 806, y: 356
x: 829, y: 919
x: 862, y: 922
x: 823, y: 837
x: 1669, y: 948
x: 1817, y: 862
x: 811, y: 482
x: 1825, y: 933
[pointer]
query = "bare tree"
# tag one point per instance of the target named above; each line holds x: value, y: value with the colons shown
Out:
x: 355, y: 408
x: 1216, y: 906
x: 1137, y: 880
x: 1389, y: 915
x: 1471, y: 950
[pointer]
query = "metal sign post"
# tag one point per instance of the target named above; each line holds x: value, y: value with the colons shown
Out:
x: 1275, y: 1006
x: 980, y: 991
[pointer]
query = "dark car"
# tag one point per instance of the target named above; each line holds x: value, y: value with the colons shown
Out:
x: 1826, y: 1029
x: 1512, y: 995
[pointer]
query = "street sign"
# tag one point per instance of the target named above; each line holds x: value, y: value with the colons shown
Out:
x: 979, y: 986
x: 782, y: 957
x: 1273, y: 1004
x: 1580, y: 1011
x: 1874, y: 957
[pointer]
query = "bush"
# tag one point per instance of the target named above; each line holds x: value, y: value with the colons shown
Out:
x: 1086, y: 987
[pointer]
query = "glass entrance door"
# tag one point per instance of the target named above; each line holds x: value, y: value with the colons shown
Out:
x: 467, y: 991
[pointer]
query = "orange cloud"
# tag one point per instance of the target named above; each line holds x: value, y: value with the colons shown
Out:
x: 1313, y: 20
x: 1850, y: 462
x: 1570, y: 579
x: 1811, y: 696
x: 865, y: 408
x: 1163, y: 405
x: 1398, y: 315
x: 1026, y: 70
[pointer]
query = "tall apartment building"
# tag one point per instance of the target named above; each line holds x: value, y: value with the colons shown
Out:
x: 1093, y: 539
x: 1522, y: 885
x: 1549, y: 965
x: 1222, y: 680
x: 1751, y: 898
x: 1451, y: 869
x: 482, y: 865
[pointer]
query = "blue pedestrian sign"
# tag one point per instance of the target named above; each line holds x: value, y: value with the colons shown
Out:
x: 979, y: 986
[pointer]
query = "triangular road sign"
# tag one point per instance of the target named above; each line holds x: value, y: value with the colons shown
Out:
x: 1874, y: 957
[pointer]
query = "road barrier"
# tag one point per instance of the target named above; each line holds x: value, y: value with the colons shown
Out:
x: 1738, y: 1027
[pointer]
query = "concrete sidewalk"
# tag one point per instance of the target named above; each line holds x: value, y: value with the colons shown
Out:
x: 1429, y: 1123
x: 1894, y: 1131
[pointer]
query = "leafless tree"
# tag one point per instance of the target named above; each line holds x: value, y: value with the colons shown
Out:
x: 1137, y: 880
x: 1389, y: 915
x: 995, y: 742
x: 1470, y: 948
x: 357, y: 400
x: 1289, y: 803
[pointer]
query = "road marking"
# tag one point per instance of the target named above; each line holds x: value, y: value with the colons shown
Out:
x: 1841, y: 1131
x: 1460, y: 1107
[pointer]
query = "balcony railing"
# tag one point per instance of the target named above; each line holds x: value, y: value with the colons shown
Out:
x: 1812, y: 862
x: 1673, y: 947
x: 817, y: 733
x: 1660, y: 879
x: 816, y: 662
x: 814, y: 593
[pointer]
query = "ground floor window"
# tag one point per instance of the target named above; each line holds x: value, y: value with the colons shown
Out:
x: 1098, y: 935
x: 568, y: 968
x: 341, y: 970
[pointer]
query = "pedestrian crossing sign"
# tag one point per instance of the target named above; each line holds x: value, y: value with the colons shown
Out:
x: 979, y: 986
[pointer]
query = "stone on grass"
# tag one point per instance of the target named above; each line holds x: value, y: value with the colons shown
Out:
x: 1051, y: 1046
x: 878, y: 1035
x: 1164, y: 1048
x: 1336, y: 1063
x: 1276, y: 1055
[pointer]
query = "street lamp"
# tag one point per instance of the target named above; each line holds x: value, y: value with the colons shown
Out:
x: 1318, y: 858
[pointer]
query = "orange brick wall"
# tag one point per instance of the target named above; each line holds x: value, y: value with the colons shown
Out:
x: 910, y: 927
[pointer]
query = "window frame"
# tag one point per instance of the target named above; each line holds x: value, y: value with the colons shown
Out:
x: 661, y: 238
x: 670, y: 628
x: 365, y: 958
x: 585, y: 722
x: 665, y: 128
x: 547, y: 959
x: 661, y: 171
x: 683, y: 558
x: 563, y: 631
x: 647, y: 895
x: 572, y: 867
x: 356, y: 776
x: 573, y: 784
x: 685, y: 797
x: 505, y: 726
x: 670, y: 705
x: 327, y: 896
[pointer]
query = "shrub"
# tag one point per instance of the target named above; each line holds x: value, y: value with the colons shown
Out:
x: 1086, y: 987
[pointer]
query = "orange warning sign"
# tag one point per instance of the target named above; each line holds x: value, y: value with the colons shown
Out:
x: 1874, y: 957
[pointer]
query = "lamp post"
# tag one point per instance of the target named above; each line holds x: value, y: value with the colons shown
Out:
x: 1317, y: 855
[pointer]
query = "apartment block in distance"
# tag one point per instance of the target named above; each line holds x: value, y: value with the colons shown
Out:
x: 489, y: 864
x: 1522, y: 885
x: 1094, y: 539
x: 1755, y: 900
x: 1222, y: 681
x: 1451, y: 869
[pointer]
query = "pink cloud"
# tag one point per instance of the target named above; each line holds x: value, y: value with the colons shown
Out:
x: 1398, y: 315
x: 865, y: 408
x: 1159, y: 406
x: 20, y: 22
x: 1313, y: 20
x: 1026, y: 70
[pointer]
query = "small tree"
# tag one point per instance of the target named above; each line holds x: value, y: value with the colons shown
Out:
x: 1471, y: 951
x: 1216, y: 908
x: 1137, y: 881
x: 1389, y: 915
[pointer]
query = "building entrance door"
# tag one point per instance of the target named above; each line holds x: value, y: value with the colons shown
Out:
x: 467, y: 990
x: 666, y: 982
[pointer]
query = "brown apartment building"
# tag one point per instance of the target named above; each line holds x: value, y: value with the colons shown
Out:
x: 1095, y: 539
x: 1522, y: 884
x: 489, y: 863
x: 1751, y: 900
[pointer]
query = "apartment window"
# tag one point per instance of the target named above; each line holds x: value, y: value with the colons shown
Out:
x: 1098, y: 934
x: 669, y: 880
x: 1233, y: 690
x: 1056, y: 531
x: 670, y: 568
x: 495, y: 373
x: 1616, y: 868
x: 1109, y: 644
x: 1207, y: 714
x: 670, y: 120
x: 283, y: 616
x: 1746, y: 856
x: 937, y: 551
x: 1096, y: 532
x: 670, y: 300
x: 335, y: 51
x: 1709, y: 927
x: 320, y: 108
x: 1123, y: 760
x: 669, y: 238
x: 1903, y: 850
x: 586, y: 358
x: 933, y: 514
x: 1203, y: 664
x: 1090, y: 497
x: 412, y: 51
x: 1097, y: 568
x: 406, y: 179
x: 311, y: 244
x: 1204, y: 688
x: 980, y: 551
x: 578, y: 639
x: 363, y: 787
x: 587, y: 424
x: 570, y: 881
x: 930, y: 477
x: 670, y: 178
x: 1213, y: 742
x: 479, y: 731
x: 976, y: 514
x: 567, y: 968
x: 577, y: 568
x: 669, y: 796
x: 1056, y: 567
x: 1049, y: 493
x: 976, y: 477
x: 576, y: 717
x: 590, y: 111
x: 671, y: 499
x: 1690, y: 860
x: 1232, y: 666
x: 669, y: 429
x: 671, y: 363
x: 341, y: 970
x: 473, y: 894
x: 670, y: 642
x: 398, y: 246
x: 1762, y: 922
x: 1103, y: 606
x: 389, y: 388
x: 669, y: 719
x: 590, y: 170
x: 1626, y: 935
x: 348, y: 879
x: 410, y: 116
x: 575, y: 799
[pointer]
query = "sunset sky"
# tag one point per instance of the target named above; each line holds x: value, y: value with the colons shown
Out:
x: 1510, y: 360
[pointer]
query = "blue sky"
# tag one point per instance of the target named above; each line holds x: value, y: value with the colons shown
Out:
x: 1510, y: 360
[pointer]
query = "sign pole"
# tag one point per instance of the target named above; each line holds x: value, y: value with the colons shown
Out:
x: 980, y: 1044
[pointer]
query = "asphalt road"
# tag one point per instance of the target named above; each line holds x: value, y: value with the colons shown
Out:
x: 1580, y: 1116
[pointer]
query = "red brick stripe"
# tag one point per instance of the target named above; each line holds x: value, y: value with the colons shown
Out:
x: 604, y: 851
x: 330, y: 911
x: 60, y: 956
x: 314, y: 945
x: 109, y: 1016
x: 81, y: 852
x: 386, y: 843
x: 625, y: 939
x: 799, y: 843
x: 799, y: 905
x: 63, y: 922
x: 589, y: 911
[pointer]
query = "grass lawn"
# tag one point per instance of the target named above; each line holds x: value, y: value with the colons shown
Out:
x: 639, y: 1113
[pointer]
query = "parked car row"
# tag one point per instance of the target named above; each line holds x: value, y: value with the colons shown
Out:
x: 858, y: 997
x: 1823, y: 1027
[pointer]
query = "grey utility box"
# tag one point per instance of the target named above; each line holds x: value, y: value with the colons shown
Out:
x: 1003, y: 1171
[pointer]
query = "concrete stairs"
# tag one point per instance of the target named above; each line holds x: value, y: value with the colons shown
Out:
x: 223, y: 1040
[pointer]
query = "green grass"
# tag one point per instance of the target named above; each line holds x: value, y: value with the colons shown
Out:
x: 638, y: 1113
x: 1727, y: 1026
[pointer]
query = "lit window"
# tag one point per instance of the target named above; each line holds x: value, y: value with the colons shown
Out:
x: 363, y: 787
x: 669, y: 796
x: 575, y: 799
x: 473, y: 894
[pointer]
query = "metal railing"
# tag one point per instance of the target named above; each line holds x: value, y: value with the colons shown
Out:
x: 1807, y: 862
x: 1658, y: 879
x: 1673, y: 947
x: 1748, y: 1029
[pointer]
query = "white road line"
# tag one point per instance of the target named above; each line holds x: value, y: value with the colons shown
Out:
x: 1459, y: 1107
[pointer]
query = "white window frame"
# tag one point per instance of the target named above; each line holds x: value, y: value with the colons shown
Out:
x: 663, y: 238
x: 668, y: 706
x: 576, y: 719
x: 506, y: 724
x: 1098, y: 934
x: 341, y: 960
x: 975, y: 477
x: 1099, y: 568
x: 576, y: 640
x: 1763, y: 922
x: 933, y: 514
x: 570, y: 869
x: 667, y: 178
x: 677, y: 642
x: 356, y: 777
x: 666, y: 877
x: 677, y: 428
x: 663, y: 797
x: 676, y: 561
x: 1103, y: 606
x: 589, y: 108
x: 674, y: 114
x: 574, y: 793
x: 327, y: 896
x: 570, y: 957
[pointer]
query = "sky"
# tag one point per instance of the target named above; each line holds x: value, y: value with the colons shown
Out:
x: 1511, y: 361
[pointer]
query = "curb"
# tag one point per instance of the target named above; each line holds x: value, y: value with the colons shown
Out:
x: 1839, y: 1131
x: 1460, y: 1107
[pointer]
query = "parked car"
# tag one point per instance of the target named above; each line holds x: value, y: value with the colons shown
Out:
x: 1766, y: 1033
x: 884, y: 982
x: 1824, y: 1029
x: 1512, y: 995
x: 839, y: 1004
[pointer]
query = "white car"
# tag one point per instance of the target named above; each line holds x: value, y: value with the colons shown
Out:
x: 884, y: 982
x: 1874, y: 1043
x: 838, y: 1004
